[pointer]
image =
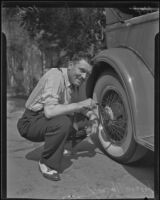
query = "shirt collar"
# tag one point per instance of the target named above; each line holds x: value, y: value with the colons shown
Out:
x: 66, y: 79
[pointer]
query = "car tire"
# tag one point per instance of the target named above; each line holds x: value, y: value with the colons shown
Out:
x: 116, y: 134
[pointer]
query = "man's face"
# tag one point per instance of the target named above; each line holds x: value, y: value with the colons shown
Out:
x: 79, y: 72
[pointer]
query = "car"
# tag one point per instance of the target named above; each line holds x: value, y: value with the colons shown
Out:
x: 122, y: 82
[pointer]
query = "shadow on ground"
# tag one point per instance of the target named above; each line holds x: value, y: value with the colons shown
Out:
x: 140, y: 169
x: 83, y: 149
x: 143, y: 170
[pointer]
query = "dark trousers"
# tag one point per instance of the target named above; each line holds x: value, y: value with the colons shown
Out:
x: 35, y: 127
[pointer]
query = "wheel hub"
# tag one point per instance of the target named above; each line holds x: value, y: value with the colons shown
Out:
x: 109, y: 112
x: 114, y: 116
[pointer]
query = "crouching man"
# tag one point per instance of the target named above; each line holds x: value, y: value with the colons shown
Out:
x: 49, y: 111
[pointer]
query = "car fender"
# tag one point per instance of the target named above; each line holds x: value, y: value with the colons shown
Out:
x: 138, y: 82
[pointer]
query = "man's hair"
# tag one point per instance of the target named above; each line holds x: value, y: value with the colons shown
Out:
x: 81, y: 56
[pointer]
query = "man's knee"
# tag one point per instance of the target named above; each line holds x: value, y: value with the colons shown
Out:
x: 21, y: 127
x: 62, y: 124
x: 66, y: 124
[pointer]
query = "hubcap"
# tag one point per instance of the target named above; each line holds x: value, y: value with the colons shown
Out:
x: 114, y: 116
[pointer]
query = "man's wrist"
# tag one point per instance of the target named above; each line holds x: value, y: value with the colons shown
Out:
x: 93, y: 117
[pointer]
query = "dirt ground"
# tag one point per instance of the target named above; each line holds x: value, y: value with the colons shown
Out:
x: 89, y: 174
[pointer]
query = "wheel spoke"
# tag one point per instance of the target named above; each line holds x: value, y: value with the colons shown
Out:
x: 119, y: 134
x: 112, y: 132
x: 110, y: 99
x: 115, y: 120
x: 106, y: 101
x: 120, y: 123
x: 115, y: 97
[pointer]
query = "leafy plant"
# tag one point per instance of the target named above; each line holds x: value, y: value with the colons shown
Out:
x: 69, y: 29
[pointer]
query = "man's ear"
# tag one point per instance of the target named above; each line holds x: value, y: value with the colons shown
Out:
x: 70, y: 64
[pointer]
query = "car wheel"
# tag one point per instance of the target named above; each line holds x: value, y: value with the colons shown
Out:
x: 116, y: 132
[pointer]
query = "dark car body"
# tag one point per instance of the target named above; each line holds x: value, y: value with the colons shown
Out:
x: 130, y: 53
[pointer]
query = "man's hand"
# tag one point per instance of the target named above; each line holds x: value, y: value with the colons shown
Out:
x: 94, y: 126
x: 90, y: 109
x: 93, y: 123
x: 88, y: 104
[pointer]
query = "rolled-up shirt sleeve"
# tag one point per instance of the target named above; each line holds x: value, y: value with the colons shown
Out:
x: 50, y: 95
